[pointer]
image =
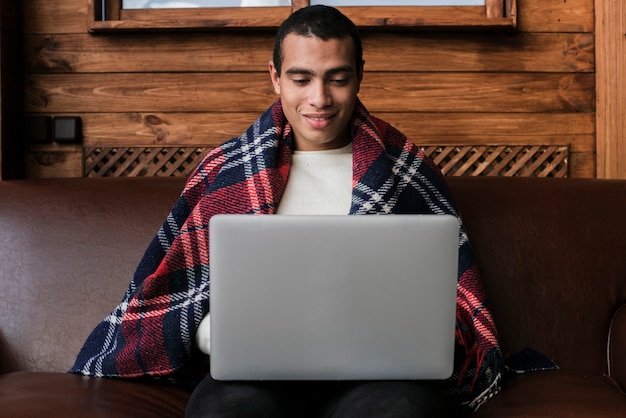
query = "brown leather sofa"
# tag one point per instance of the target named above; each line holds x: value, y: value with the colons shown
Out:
x: 552, y: 253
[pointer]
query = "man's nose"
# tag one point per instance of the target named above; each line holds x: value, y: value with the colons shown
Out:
x: 320, y: 95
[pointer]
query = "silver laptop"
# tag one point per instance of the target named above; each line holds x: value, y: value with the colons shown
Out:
x: 333, y: 297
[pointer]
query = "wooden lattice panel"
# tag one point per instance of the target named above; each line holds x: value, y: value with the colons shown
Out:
x: 142, y: 161
x: 471, y: 160
x: 501, y: 160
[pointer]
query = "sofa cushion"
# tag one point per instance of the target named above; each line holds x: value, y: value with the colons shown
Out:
x: 560, y: 393
x: 41, y: 394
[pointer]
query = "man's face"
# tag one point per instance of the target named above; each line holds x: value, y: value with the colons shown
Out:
x: 318, y: 88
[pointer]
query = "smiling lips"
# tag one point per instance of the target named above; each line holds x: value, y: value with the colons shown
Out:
x: 319, y: 121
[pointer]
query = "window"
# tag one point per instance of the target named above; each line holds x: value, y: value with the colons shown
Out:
x: 169, y: 4
x: 120, y: 15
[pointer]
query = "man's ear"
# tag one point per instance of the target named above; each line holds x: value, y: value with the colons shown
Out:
x: 275, y: 77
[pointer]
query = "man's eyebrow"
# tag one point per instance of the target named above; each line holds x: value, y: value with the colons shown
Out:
x: 298, y: 70
x: 330, y: 71
x: 340, y: 69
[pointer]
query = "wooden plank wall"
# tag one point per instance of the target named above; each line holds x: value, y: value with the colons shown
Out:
x: 610, y: 88
x: 535, y: 86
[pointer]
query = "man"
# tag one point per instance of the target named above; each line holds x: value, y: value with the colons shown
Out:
x: 315, y: 150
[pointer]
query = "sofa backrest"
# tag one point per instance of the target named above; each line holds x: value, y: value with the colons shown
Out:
x: 68, y: 249
x: 552, y: 256
x: 551, y: 253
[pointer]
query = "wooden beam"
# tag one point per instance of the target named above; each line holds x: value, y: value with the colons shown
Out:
x: 610, y: 87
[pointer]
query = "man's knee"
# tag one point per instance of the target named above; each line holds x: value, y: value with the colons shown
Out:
x: 234, y: 400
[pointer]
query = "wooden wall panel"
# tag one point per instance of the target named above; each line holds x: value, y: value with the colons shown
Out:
x: 214, y: 92
x: 556, y: 15
x: 533, y: 86
x: 148, y: 52
x: 201, y: 52
x: 170, y: 129
x: 54, y: 16
x: 611, y: 85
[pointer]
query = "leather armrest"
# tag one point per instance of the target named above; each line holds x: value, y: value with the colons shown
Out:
x: 616, y: 348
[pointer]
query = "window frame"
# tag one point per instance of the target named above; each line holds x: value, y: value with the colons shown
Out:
x: 496, y: 14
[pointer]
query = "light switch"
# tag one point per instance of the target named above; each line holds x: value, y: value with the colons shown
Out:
x: 67, y: 129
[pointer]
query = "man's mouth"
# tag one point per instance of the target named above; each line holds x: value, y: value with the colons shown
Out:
x: 319, y: 121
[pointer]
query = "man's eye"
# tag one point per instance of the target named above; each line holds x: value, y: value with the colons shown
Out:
x: 300, y: 81
x: 339, y: 81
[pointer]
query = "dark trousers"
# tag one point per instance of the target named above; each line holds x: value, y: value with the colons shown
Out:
x: 218, y: 399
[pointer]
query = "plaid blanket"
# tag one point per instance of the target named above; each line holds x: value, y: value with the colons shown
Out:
x: 151, y: 331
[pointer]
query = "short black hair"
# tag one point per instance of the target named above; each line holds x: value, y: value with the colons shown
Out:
x: 322, y: 22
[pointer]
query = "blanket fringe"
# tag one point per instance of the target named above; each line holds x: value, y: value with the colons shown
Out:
x: 474, y: 355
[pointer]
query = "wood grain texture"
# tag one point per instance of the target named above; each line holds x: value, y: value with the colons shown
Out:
x: 533, y: 86
x: 611, y: 84
x: 212, y: 92
x: 555, y: 15
x: 417, y: 52
x: 170, y: 129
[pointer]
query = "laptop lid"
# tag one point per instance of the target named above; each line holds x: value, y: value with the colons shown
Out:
x: 333, y: 297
